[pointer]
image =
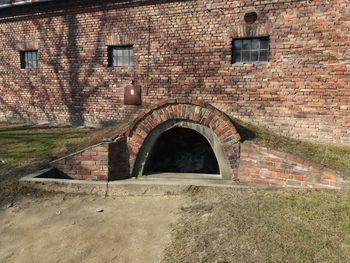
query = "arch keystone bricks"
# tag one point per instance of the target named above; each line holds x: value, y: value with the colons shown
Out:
x: 197, y: 115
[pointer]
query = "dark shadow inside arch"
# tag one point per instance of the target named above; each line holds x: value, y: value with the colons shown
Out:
x: 181, y: 150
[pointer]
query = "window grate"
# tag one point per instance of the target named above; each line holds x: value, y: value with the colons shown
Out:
x: 29, y: 59
x: 120, y: 56
x: 250, y: 50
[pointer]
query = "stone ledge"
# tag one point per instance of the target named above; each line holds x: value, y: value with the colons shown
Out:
x: 127, y: 187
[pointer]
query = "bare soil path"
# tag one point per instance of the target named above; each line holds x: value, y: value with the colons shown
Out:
x: 60, y: 228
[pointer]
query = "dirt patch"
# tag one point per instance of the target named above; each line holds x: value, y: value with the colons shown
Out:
x: 60, y: 228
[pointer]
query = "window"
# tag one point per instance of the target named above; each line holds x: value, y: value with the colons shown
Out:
x: 120, y: 56
x: 250, y: 50
x: 29, y: 59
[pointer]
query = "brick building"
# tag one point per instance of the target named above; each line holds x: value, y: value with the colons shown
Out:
x: 281, y: 64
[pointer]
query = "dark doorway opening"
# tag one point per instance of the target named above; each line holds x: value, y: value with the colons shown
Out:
x: 182, y: 150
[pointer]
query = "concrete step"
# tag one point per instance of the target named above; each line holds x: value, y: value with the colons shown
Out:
x: 173, y: 184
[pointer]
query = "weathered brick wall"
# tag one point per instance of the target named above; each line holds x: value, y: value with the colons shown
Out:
x: 182, y: 50
x: 260, y: 165
x: 88, y: 164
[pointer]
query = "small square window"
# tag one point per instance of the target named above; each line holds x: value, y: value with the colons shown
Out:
x: 250, y: 50
x: 120, y: 56
x: 29, y: 59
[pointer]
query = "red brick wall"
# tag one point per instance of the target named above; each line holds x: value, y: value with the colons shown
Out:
x: 260, y: 165
x: 103, y: 162
x: 88, y: 164
x: 182, y: 50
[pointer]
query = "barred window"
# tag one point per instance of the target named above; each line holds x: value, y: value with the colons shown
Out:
x: 120, y: 56
x: 250, y: 50
x: 29, y: 59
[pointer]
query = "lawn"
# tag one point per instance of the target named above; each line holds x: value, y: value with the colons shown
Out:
x: 26, y: 149
x: 265, y: 225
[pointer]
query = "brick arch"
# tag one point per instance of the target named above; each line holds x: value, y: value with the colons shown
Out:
x: 254, y: 30
x: 216, y: 124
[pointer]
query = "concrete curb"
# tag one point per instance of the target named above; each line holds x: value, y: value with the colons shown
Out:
x: 63, y: 185
x: 127, y: 187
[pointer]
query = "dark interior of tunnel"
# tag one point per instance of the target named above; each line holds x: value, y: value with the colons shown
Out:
x: 182, y: 150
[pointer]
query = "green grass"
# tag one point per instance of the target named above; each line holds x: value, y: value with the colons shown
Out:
x: 222, y: 225
x: 332, y: 156
x: 26, y: 149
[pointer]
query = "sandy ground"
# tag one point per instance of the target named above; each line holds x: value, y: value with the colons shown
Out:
x: 130, y: 229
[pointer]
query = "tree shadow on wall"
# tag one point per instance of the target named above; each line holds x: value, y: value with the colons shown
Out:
x: 66, y: 79
x: 69, y: 79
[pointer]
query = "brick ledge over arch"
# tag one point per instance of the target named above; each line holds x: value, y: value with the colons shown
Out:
x: 194, y: 111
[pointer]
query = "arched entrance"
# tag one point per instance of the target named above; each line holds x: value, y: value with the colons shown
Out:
x: 200, y: 138
x: 181, y: 150
x: 197, y: 136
